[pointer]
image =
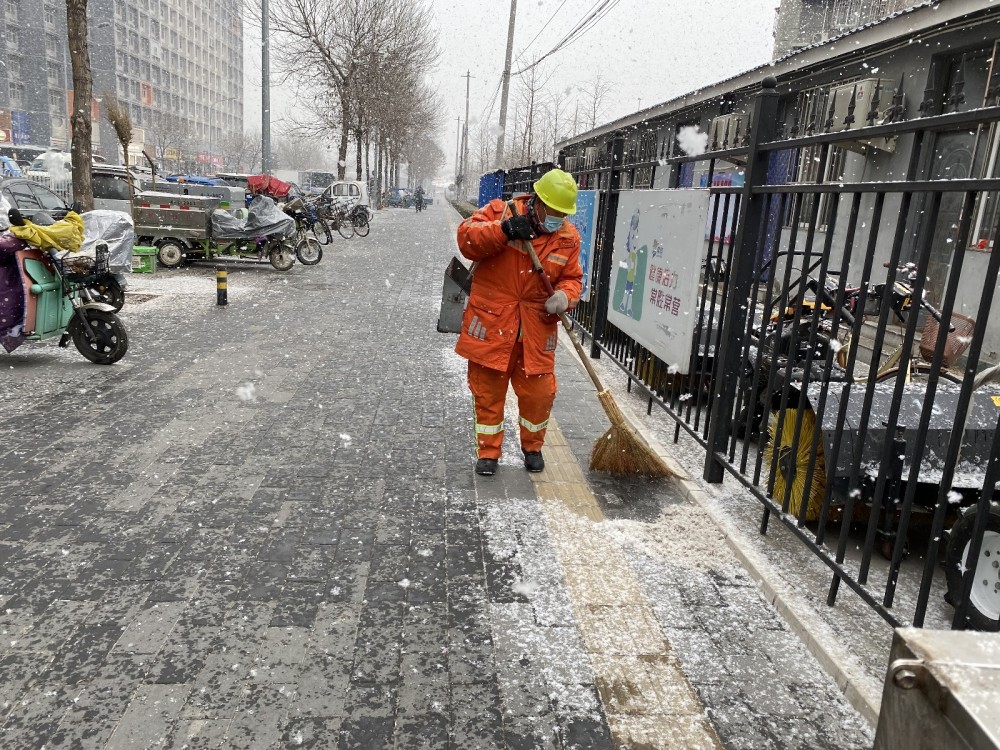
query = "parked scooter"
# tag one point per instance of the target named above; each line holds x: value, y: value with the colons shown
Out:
x: 42, y: 296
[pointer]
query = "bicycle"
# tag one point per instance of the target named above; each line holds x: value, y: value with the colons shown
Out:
x: 338, y: 216
x: 316, y: 224
x: 361, y: 217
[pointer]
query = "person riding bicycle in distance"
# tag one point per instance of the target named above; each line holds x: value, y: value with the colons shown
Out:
x: 510, y: 327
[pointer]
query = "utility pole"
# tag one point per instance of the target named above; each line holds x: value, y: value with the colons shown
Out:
x: 265, y: 92
x: 465, y: 134
x: 505, y: 86
x: 458, y: 146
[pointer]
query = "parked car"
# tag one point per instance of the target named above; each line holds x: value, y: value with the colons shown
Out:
x: 398, y: 197
x: 9, y: 167
x: 111, y: 190
x: 31, y: 198
x: 43, y: 165
x: 348, y: 190
x: 235, y: 179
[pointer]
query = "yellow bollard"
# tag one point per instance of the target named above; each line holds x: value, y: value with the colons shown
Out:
x: 221, y: 286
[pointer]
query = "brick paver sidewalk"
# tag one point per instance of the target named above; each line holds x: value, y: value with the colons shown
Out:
x: 262, y: 529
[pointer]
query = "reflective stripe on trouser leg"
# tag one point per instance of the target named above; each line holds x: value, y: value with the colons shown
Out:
x: 489, y: 391
x: 535, y: 395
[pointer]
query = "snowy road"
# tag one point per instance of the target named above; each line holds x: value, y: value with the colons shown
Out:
x: 261, y: 528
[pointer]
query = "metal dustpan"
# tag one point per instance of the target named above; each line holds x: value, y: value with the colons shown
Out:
x: 457, y: 285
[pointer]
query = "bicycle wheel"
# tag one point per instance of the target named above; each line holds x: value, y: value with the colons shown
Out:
x: 345, y: 228
x: 361, y: 226
x: 321, y: 230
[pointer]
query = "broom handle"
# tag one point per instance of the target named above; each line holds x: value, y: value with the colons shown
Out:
x: 567, y: 324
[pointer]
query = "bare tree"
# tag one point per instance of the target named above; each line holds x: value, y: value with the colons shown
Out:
x: 81, y: 150
x: 171, y: 134
x: 299, y: 152
x: 530, y: 99
x: 242, y: 151
x: 340, y: 51
x: 594, y: 96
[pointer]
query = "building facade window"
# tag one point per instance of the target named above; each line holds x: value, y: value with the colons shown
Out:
x: 16, y: 91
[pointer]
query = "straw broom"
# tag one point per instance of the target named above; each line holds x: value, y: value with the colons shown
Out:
x: 620, y: 450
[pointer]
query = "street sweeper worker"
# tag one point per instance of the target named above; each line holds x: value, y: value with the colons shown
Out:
x: 510, y: 326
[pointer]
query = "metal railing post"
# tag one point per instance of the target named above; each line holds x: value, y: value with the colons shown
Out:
x: 752, y: 215
x: 605, y: 253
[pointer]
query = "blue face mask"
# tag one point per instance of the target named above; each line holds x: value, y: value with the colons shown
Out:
x: 552, y: 223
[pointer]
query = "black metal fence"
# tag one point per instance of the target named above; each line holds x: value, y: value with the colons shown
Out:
x: 833, y: 374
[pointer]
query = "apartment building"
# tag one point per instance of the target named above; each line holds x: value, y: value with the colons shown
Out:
x: 177, y: 64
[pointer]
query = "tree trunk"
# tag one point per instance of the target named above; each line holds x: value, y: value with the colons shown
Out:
x: 83, y: 94
x: 368, y: 163
x: 345, y: 135
x: 359, y: 141
x: 379, y: 150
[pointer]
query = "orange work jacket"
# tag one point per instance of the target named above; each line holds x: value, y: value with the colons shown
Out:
x: 508, y: 297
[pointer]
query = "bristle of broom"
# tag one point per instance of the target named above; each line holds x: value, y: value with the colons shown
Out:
x: 620, y: 451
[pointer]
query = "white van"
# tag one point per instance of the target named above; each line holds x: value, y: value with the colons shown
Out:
x: 348, y: 190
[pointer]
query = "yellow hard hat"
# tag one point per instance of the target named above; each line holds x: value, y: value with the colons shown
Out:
x: 557, y: 189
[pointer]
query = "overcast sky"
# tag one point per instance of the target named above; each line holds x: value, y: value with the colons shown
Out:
x: 652, y: 50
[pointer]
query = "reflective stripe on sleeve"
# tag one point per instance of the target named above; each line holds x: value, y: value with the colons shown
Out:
x: 531, y: 426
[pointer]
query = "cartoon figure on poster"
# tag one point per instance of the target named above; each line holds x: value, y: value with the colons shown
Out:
x: 631, y: 273
x: 585, y: 219
x: 655, y: 272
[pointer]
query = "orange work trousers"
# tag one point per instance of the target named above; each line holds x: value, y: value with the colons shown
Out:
x: 535, y: 395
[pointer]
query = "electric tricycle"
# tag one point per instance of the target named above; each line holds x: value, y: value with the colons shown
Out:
x: 44, y: 295
x: 191, y: 227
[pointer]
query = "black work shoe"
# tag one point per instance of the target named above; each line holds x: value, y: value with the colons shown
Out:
x: 533, y: 461
x: 486, y: 467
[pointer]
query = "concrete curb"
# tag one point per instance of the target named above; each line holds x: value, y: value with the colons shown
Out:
x: 794, y: 611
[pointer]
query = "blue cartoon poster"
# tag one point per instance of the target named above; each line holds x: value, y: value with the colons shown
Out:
x: 656, y: 268
x: 588, y: 203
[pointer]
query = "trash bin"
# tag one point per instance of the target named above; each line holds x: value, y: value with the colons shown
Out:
x: 144, y: 259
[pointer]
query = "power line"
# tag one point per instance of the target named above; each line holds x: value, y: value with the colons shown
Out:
x: 597, y: 12
x: 544, y: 26
x: 492, y: 101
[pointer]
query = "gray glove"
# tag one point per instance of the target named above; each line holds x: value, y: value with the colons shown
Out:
x: 557, y: 304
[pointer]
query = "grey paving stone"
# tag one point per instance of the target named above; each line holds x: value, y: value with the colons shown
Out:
x: 311, y: 733
x: 198, y: 734
x: 150, y: 717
